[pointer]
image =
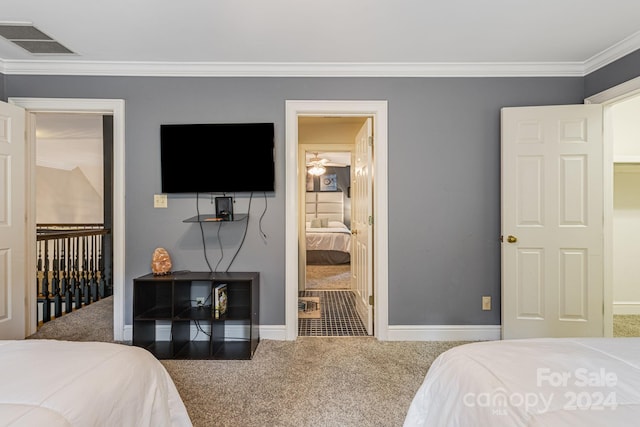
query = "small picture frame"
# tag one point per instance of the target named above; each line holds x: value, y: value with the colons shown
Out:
x: 328, y: 182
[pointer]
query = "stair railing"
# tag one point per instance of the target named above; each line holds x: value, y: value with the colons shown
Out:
x: 71, y: 267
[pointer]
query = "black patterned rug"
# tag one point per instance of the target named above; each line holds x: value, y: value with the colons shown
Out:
x: 338, y: 316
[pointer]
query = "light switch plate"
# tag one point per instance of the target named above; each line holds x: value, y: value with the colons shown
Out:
x: 159, y: 200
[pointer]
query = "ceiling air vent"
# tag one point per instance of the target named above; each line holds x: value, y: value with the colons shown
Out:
x: 32, y: 39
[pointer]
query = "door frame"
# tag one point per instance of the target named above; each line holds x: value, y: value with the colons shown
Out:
x: 71, y: 105
x: 302, y: 205
x: 608, y: 98
x: 377, y: 110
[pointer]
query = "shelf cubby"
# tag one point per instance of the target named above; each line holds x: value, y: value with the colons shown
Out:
x: 168, y: 321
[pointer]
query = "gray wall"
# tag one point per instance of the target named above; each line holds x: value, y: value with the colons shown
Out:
x: 444, y: 178
x: 617, y: 72
x: 3, y: 97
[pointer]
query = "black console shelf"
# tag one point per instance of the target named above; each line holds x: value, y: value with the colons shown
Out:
x: 214, y: 218
x: 168, y: 321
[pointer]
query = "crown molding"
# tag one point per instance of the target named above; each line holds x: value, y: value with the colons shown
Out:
x: 322, y: 69
x: 299, y: 69
x: 613, y: 53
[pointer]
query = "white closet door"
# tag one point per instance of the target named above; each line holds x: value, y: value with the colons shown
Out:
x: 552, y: 221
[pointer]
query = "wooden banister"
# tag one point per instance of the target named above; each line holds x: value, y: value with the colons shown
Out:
x: 70, y: 267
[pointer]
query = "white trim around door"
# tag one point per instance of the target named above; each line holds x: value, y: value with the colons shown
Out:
x: 105, y: 106
x: 608, y: 98
x: 377, y: 110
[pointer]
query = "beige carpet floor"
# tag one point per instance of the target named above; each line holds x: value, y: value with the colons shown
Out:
x: 625, y: 325
x: 328, y: 277
x: 308, y: 382
x: 91, y: 323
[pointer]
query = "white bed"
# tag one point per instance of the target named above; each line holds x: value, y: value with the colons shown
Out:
x: 534, y: 382
x: 328, y: 245
x: 328, y: 239
x: 63, y: 383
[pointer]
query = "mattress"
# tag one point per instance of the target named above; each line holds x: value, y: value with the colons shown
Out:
x: 335, y: 237
x: 328, y: 245
x: 532, y: 382
x: 63, y: 383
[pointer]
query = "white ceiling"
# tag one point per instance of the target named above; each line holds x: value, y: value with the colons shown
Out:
x: 328, y: 37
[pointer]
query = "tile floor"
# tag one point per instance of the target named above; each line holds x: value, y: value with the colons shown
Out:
x: 338, y: 317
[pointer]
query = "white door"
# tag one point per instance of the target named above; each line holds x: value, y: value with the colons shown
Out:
x: 12, y: 222
x: 552, y: 221
x: 361, y: 225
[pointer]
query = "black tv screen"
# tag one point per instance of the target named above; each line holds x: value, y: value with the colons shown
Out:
x: 217, y: 158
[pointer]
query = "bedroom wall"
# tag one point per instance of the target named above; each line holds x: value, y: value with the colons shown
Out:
x: 620, y: 71
x: 3, y: 96
x: 444, y: 179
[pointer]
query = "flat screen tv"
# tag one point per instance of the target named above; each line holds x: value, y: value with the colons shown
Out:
x: 217, y: 157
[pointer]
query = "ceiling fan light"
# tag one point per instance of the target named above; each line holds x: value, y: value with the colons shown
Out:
x: 317, y: 170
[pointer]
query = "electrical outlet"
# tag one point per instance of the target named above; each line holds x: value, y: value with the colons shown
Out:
x: 200, y: 301
x: 486, y: 302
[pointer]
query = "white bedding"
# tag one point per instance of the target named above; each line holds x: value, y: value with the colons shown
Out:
x: 533, y: 382
x: 335, y: 237
x: 63, y: 383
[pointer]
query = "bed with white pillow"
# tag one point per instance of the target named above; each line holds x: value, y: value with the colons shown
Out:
x: 328, y: 245
x: 532, y: 382
x: 328, y: 239
x: 62, y: 383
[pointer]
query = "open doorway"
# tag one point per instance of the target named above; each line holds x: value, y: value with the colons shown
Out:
x: 622, y: 152
x: 73, y: 210
x: 327, y: 298
x: 625, y: 236
x: 376, y: 111
x: 113, y: 107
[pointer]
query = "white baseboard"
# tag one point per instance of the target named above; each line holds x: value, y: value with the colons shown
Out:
x: 127, y: 333
x: 395, y: 333
x: 626, y: 307
x: 414, y: 332
x: 444, y: 332
x: 273, y: 332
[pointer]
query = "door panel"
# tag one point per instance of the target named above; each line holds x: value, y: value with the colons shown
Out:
x: 552, y: 208
x: 362, y: 211
x: 12, y: 222
x: 530, y: 283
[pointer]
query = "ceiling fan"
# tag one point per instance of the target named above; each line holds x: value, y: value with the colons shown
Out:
x: 328, y: 159
x: 317, y: 165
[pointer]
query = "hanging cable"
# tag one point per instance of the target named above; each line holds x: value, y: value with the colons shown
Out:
x: 262, y: 233
x: 243, y: 235
x: 220, y: 245
x: 204, y: 245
